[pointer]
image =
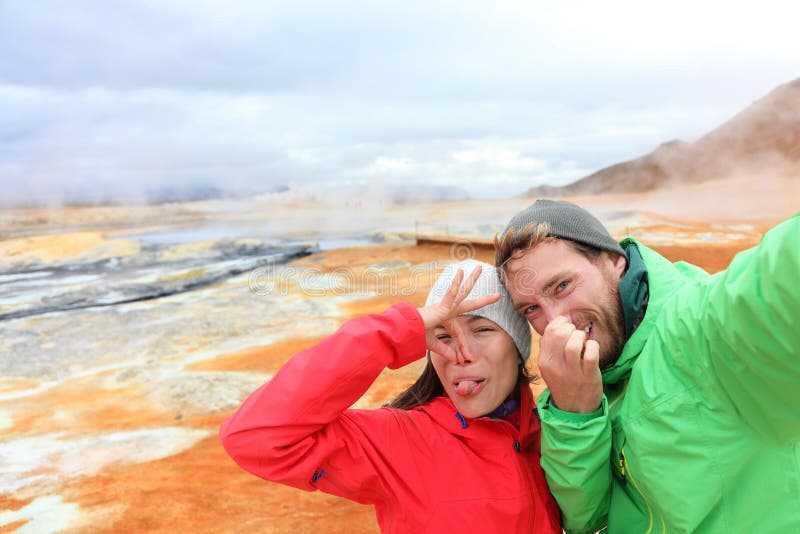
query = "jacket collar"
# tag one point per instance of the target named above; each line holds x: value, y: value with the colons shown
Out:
x: 664, y: 279
x: 444, y: 412
x: 633, y: 290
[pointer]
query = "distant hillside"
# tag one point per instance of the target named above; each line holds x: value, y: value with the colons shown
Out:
x: 762, y: 140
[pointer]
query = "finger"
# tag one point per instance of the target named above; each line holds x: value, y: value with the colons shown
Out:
x: 444, y: 350
x: 557, y: 322
x: 478, y: 302
x: 554, y: 340
x: 573, y: 351
x: 461, y: 342
x: 466, y: 287
x: 460, y: 359
x: 591, y: 358
x: 471, y: 279
x: 544, y: 356
x: 452, y: 292
x: 455, y: 286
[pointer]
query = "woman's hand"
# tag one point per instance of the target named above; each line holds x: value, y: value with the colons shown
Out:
x: 444, y: 312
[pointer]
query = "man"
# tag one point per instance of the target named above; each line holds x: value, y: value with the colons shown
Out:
x: 688, y: 383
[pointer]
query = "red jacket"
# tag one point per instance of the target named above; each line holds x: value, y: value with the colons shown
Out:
x: 423, y: 469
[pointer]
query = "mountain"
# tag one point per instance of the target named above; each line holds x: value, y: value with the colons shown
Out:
x: 762, y: 140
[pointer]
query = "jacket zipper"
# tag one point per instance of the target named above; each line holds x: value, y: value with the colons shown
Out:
x: 526, y: 418
x: 623, y: 465
x: 526, y: 476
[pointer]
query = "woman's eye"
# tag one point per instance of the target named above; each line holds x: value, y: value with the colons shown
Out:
x: 530, y: 309
x: 443, y: 337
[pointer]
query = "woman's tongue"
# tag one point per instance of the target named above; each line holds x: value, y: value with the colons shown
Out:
x: 465, y: 387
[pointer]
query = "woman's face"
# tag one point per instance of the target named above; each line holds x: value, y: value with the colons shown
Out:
x: 483, y: 382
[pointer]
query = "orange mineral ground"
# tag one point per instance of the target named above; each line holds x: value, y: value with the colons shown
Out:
x: 109, y: 414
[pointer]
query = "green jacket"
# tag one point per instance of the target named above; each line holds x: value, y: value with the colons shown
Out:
x: 701, y: 414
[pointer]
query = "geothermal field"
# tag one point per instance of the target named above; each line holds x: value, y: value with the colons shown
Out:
x: 129, y: 333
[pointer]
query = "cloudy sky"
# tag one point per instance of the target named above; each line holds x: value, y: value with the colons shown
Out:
x: 119, y: 98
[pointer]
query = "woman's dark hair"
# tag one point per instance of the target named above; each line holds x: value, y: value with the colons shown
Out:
x: 428, y: 387
x: 425, y: 389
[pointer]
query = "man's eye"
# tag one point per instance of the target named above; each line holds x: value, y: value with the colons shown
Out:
x: 563, y: 285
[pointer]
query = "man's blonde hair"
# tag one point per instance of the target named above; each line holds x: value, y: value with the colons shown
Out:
x: 512, y: 242
x: 547, y: 218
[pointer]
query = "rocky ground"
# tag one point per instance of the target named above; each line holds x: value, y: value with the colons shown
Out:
x: 128, y: 334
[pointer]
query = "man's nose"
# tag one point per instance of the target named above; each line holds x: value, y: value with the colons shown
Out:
x: 553, y: 310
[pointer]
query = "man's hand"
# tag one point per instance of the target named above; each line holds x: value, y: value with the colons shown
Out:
x: 570, y: 366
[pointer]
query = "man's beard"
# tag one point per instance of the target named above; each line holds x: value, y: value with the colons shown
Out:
x: 613, y: 321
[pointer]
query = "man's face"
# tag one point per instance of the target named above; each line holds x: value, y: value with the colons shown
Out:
x: 554, y: 279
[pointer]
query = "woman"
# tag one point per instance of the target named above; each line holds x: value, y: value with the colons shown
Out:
x: 457, y: 452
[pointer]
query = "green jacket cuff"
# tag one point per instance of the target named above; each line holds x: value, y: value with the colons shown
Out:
x: 546, y: 406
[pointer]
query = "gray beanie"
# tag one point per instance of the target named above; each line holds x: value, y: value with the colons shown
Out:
x: 566, y: 221
x: 501, y: 312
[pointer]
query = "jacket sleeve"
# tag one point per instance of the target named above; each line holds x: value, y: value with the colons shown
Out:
x: 748, y: 315
x: 575, y: 457
x: 298, y: 424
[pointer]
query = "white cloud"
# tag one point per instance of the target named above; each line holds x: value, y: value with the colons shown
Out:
x: 123, y: 98
x: 383, y: 164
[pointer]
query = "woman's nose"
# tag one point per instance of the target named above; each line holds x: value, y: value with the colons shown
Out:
x: 466, y: 358
x: 471, y: 346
